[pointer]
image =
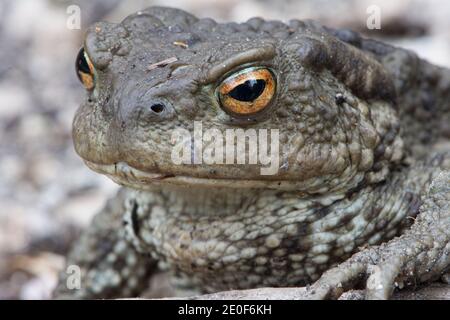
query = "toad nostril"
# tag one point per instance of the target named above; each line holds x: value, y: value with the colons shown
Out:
x: 157, y: 107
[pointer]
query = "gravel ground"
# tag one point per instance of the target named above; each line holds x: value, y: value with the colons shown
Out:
x: 47, y: 195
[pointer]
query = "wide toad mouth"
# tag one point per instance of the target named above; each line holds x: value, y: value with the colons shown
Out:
x: 124, y: 174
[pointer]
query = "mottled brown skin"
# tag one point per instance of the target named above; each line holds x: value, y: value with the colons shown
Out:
x: 364, y: 131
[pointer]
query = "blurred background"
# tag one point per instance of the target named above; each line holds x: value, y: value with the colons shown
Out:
x: 47, y: 195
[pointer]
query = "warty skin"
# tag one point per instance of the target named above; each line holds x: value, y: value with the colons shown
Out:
x: 364, y: 153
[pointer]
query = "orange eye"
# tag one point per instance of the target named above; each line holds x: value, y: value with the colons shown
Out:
x: 248, y: 91
x: 85, y: 70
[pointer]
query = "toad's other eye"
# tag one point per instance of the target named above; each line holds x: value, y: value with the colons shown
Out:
x: 85, y: 70
x: 248, y: 91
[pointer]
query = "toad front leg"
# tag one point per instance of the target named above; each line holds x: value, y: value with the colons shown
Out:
x: 421, y: 254
x: 110, y: 266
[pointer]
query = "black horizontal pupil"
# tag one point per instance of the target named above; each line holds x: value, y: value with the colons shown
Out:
x: 249, y: 90
x: 81, y: 64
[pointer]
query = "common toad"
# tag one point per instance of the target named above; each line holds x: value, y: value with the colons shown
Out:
x: 361, y: 190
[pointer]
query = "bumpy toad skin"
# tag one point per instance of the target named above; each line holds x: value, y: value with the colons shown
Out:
x: 363, y: 130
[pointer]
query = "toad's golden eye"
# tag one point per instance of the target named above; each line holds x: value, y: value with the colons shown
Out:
x: 85, y: 70
x: 248, y: 91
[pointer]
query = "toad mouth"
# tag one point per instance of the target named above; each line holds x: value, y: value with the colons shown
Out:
x: 126, y: 175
